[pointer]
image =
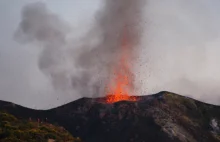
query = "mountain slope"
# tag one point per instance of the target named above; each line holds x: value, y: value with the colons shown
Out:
x: 163, y: 117
x: 19, y: 130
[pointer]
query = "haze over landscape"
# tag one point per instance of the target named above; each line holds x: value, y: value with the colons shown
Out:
x: 178, y: 52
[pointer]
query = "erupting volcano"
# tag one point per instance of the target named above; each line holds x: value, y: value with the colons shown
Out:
x: 121, y: 84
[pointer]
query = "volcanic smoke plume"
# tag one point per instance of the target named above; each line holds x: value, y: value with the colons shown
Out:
x: 101, y: 62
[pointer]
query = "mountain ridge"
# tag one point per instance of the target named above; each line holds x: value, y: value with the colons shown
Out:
x: 164, y: 116
x: 155, y: 94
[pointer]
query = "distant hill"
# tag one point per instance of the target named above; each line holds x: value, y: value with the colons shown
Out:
x: 162, y: 117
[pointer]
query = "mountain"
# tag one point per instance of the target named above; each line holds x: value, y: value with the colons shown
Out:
x: 162, y: 117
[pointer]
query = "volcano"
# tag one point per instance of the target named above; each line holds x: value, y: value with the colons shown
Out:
x: 162, y: 117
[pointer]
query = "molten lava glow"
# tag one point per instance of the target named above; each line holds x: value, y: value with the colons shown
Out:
x: 121, y: 85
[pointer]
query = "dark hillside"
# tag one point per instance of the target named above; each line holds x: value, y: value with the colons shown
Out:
x: 163, y: 117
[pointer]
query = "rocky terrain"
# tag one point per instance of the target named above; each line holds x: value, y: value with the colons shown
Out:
x: 162, y: 117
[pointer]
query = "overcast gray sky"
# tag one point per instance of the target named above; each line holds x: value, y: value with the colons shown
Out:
x: 179, y: 50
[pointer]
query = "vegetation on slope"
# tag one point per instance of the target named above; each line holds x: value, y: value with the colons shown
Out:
x: 13, y: 129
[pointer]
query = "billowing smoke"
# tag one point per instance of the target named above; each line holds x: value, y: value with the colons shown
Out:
x: 81, y: 65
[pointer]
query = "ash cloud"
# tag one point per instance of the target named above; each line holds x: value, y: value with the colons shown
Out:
x: 80, y: 66
x: 179, y: 51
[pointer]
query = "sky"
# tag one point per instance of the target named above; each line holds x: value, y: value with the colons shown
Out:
x: 179, y: 51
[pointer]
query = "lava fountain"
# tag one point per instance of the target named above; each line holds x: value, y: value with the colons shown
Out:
x: 121, y: 85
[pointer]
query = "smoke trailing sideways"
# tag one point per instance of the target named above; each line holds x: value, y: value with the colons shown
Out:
x: 84, y: 66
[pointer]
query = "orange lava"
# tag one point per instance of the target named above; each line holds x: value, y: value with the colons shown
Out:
x: 121, y: 84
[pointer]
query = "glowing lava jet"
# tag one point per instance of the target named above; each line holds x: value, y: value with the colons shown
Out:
x: 121, y: 84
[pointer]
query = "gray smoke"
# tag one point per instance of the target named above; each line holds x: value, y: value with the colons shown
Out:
x: 83, y: 66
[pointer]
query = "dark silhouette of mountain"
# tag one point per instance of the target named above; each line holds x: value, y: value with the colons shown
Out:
x: 162, y: 117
